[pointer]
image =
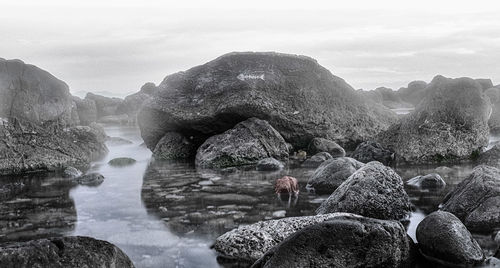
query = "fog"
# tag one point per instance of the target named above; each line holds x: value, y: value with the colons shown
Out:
x: 113, y: 47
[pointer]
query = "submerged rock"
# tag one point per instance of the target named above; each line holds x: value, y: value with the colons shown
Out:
x: 374, y: 191
x: 269, y: 164
x: 209, y: 99
x: 247, y: 143
x: 121, y: 161
x: 372, y: 151
x: 343, y: 241
x: 173, y: 146
x: 429, y: 181
x: 317, y: 159
x: 318, y: 145
x: 71, y: 251
x: 332, y: 173
x: 449, y: 124
x: 476, y: 200
x: 443, y: 239
x: 91, y: 179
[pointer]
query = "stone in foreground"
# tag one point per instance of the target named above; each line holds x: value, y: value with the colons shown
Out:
x: 174, y: 146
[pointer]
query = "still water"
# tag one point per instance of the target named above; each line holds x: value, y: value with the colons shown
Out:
x: 167, y: 214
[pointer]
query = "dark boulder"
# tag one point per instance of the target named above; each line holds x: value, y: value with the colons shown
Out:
x: 247, y: 143
x: 32, y: 94
x: 299, y: 97
x: 372, y: 151
x: 317, y: 159
x: 173, y: 146
x: 86, y: 109
x: 344, y: 241
x: 443, y: 239
x: 429, y: 181
x: 71, y: 251
x: 476, y: 200
x: 332, y: 173
x: 374, y: 191
x: 91, y: 179
x: 269, y: 164
x: 449, y: 124
x: 318, y: 145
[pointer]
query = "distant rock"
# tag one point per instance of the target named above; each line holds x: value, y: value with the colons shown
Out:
x: 317, y: 159
x: 105, y: 105
x: 372, y: 151
x: 91, y: 179
x: 318, y: 145
x: 32, y: 94
x: 444, y: 240
x: 449, y: 124
x: 121, y: 161
x: 490, y: 157
x: 27, y: 147
x: 485, y: 83
x: 121, y: 119
x: 391, y: 99
x: 476, y: 200
x: 344, y: 241
x: 429, y: 181
x: 332, y: 173
x: 86, y: 109
x: 132, y: 103
x: 414, y: 92
x: 374, y: 191
x: 118, y: 141
x: 71, y: 251
x: 494, y: 121
x: 209, y: 99
x: 269, y: 164
x: 173, y: 146
x: 247, y: 143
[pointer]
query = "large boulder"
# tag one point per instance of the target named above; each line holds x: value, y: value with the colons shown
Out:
x: 332, y: 173
x: 374, y: 191
x: 105, y: 105
x: 494, y: 121
x: 87, y: 110
x: 299, y: 97
x: 344, y: 241
x: 372, y: 151
x: 32, y: 94
x: 449, y: 124
x: 132, y: 103
x: 174, y: 146
x: 71, y: 251
x: 443, y: 239
x: 250, y: 242
x: 247, y: 143
x: 318, y: 145
x: 476, y: 200
x: 26, y: 147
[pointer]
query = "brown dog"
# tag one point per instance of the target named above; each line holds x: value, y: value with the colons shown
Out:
x: 287, y: 185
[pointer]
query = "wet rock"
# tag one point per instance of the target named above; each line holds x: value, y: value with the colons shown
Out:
x: 34, y: 95
x: 269, y: 86
x: 250, y: 242
x: 247, y: 143
x: 476, y: 200
x: 121, y: 119
x: 132, y: 103
x: 449, y: 124
x: 105, y: 106
x: 318, y: 145
x: 173, y: 146
x: 343, y: 241
x: 332, y: 173
x: 86, y: 109
x: 374, y: 191
x: 317, y: 159
x: 372, y: 151
x: 72, y: 251
x: 114, y: 141
x: 443, y: 239
x: 10, y: 190
x: 429, y: 181
x: 121, y: 161
x: 91, y: 179
x: 26, y: 147
x: 71, y: 172
x: 490, y: 157
x: 269, y: 164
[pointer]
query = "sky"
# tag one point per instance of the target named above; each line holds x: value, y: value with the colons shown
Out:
x: 114, y: 47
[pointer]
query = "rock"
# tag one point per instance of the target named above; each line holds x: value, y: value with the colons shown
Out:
x: 105, y: 106
x: 485, y: 83
x: 91, y: 179
x: 476, y: 200
x: 317, y: 159
x: 372, y: 151
x: 247, y: 143
x: 121, y: 119
x: 390, y: 98
x: 96, y: 130
x: 86, y: 109
x: 71, y: 251
x: 210, y: 99
x: 115, y: 141
x: 121, y: 161
x: 250, y: 242
x: 269, y: 164
x: 71, y: 172
x: 374, y: 191
x: 32, y: 94
x: 443, y: 239
x: 494, y: 121
x: 132, y: 103
x: 332, y: 173
x: 344, y: 241
x: 429, y: 181
x: 26, y: 147
x: 449, y: 124
x: 490, y: 157
x: 173, y: 146
x: 414, y: 93
x: 318, y: 145
x: 10, y: 190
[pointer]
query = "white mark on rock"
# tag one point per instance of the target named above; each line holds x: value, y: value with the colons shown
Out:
x: 244, y: 77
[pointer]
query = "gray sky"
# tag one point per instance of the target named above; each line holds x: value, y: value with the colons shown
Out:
x: 116, y: 46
